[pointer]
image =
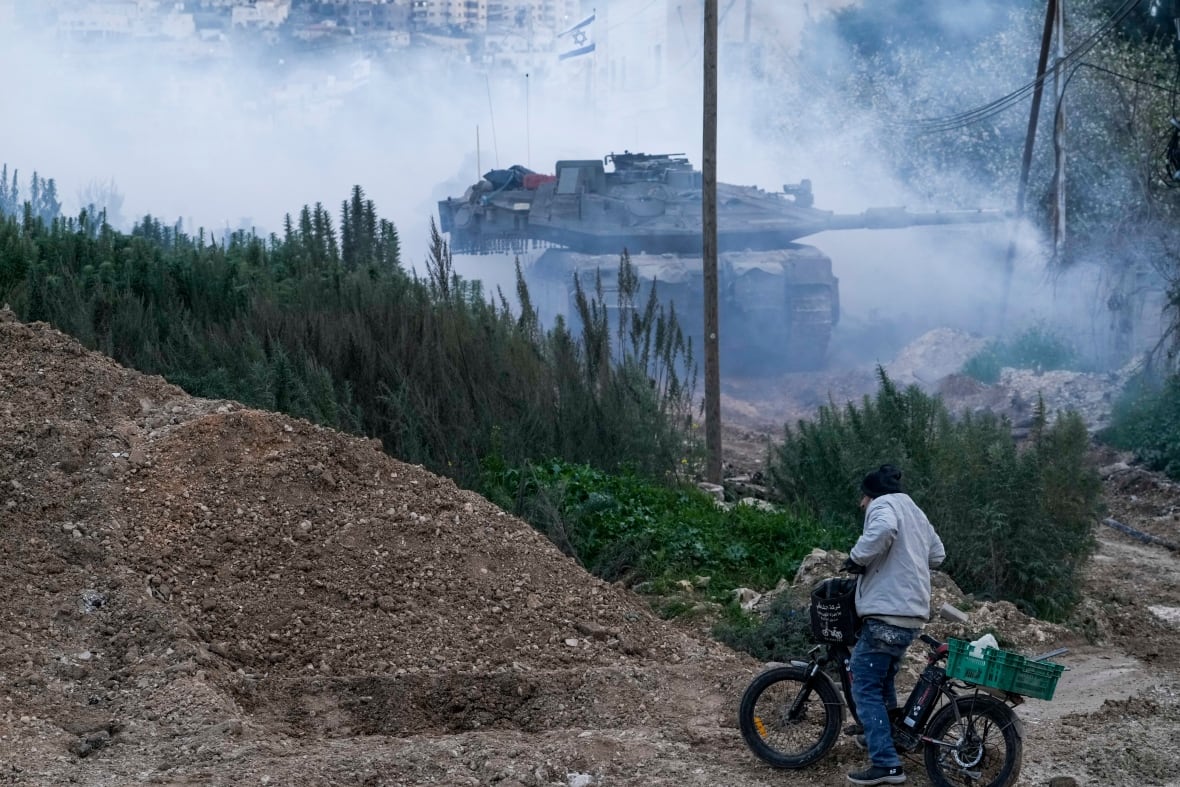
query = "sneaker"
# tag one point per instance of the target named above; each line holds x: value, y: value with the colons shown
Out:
x: 860, y: 742
x: 877, y: 774
x: 853, y: 729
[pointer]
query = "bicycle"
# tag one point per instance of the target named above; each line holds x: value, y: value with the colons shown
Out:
x: 968, y: 732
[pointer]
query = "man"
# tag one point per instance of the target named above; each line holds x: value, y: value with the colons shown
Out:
x: 894, y: 555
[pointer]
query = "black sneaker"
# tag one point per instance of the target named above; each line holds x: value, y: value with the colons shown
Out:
x: 877, y: 774
x: 860, y: 742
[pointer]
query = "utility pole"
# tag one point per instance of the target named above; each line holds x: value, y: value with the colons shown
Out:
x: 1026, y: 162
x: 709, y: 252
x: 1059, y: 138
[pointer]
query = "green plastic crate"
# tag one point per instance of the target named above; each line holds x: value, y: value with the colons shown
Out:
x: 1002, y: 670
x: 1037, y: 679
x: 963, y: 665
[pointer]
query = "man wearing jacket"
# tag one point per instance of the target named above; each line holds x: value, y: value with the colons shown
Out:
x: 894, y: 556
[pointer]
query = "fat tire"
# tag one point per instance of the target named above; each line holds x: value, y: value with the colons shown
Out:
x: 823, y: 699
x: 1000, y: 724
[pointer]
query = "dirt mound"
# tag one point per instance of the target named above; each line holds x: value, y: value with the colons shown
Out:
x: 176, y: 565
x: 932, y: 356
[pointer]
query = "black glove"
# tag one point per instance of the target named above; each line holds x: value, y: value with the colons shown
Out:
x: 852, y: 567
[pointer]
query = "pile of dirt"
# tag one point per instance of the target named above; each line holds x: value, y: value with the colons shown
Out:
x: 180, y: 567
x: 198, y: 593
x: 933, y: 356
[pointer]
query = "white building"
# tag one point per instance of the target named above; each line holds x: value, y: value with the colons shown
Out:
x: 126, y: 19
x: 537, y: 17
x: 262, y: 13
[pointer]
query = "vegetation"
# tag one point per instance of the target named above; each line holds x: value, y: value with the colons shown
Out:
x: 1146, y: 421
x: 1016, y: 521
x: 1038, y: 347
x: 623, y: 527
x: 42, y: 201
x: 782, y: 634
x: 322, y: 322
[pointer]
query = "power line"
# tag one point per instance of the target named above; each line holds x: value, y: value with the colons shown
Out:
x: 993, y: 108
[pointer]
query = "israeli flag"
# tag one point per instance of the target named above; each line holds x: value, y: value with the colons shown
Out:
x: 576, y: 40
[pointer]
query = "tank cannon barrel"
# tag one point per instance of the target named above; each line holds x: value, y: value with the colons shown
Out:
x: 897, y: 218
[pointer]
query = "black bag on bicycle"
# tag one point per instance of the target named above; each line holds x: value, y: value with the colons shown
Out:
x: 833, y: 611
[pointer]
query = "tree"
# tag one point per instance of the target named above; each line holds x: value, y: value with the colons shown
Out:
x: 102, y: 198
x: 9, y: 193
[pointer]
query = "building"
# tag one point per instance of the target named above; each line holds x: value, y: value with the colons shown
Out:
x: 262, y: 13
x: 461, y: 16
x: 129, y: 19
x: 534, y: 16
x: 538, y: 18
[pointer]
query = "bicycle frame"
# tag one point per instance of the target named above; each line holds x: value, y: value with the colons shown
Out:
x: 840, y: 657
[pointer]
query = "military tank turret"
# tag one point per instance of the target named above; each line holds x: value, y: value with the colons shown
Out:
x: 779, y: 296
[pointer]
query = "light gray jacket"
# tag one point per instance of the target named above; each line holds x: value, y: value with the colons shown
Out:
x: 897, y: 548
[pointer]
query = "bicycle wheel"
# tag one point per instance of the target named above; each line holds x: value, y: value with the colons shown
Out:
x: 981, y: 746
x: 788, y: 721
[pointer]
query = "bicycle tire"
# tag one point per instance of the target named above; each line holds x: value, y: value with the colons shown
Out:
x: 768, y: 728
x: 988, y: 749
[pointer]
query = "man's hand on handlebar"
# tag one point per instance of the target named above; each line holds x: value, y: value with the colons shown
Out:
x: 852, y: 567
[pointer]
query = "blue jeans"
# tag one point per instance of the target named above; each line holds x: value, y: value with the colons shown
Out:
x: 875, y: 660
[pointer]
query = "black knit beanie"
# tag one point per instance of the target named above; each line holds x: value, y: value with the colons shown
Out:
x: 885, y: 480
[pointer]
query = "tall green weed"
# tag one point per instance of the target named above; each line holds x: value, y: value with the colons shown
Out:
x: 325, y: 324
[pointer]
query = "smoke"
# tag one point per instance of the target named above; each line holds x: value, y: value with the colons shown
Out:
x: 240, y: 141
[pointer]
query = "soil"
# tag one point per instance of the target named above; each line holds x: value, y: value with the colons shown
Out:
x: 200, y: 593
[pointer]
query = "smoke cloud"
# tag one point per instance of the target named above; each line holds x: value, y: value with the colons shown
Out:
x: 229, y: 143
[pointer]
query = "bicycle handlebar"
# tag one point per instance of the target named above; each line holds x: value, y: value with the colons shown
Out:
x: 938, y: 650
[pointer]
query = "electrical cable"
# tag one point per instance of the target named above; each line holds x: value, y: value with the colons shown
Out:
x: 1171, y: 153
x: 978, y: 114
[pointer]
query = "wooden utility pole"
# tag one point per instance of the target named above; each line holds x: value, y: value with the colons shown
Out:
x: 1059, y: 138
x: 709, y: 252
x: 1026, y: 162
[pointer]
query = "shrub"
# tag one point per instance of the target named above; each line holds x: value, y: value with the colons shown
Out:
x: 1146, y: 421
x: 1016, y: 521
x: 1038, y: 347
x: 784, y: 633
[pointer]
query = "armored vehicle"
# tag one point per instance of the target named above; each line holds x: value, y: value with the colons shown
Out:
x: 778, y: 300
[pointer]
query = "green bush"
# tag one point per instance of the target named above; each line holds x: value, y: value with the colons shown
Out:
x: 623, y: 527
x: 1146, y: 421
x: 1038, y: 347
x: 1016, y: 520
x: 784, y: 633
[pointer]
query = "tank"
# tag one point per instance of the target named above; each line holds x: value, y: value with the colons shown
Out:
x: 778, y: 299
